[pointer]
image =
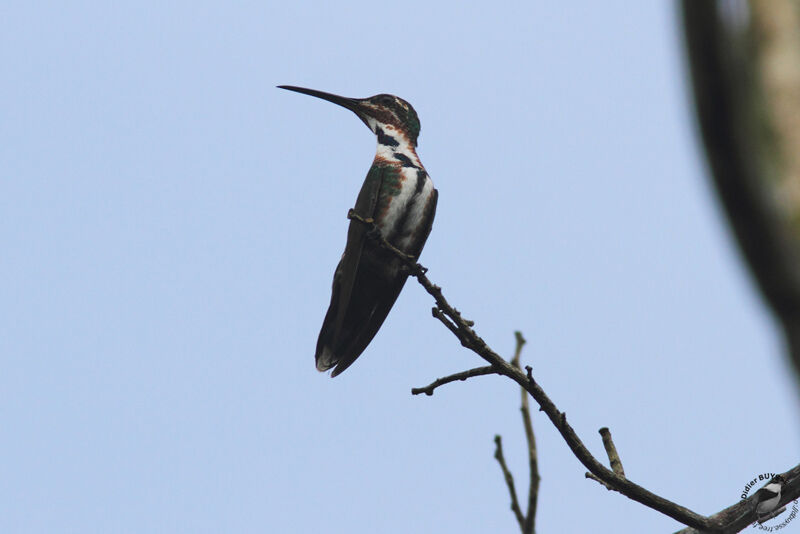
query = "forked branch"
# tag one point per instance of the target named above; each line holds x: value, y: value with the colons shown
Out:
x: 527, y: 521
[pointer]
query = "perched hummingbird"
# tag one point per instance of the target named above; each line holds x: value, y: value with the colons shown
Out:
x: 399, y: 196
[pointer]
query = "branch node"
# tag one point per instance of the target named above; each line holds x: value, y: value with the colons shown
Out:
x: 529, y: 372
x: 599, y: 481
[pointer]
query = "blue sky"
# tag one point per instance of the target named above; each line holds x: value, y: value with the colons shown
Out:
x: 171, y: 223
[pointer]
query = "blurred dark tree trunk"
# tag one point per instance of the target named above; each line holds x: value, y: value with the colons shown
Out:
x: 744, y: 58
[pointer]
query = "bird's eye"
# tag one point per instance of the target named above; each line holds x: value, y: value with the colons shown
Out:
x: 387, y: 100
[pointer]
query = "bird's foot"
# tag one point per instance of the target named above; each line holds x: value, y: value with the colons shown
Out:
x: 351, y: 214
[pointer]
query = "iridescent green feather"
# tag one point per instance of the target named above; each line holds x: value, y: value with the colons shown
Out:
x: 411, y: 121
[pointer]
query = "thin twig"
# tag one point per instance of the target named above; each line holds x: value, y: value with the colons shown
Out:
x: 463, y: 375
x: 533, y: 460
x: 520, y: 342
x: 526, y: 521
x: 498, y: 454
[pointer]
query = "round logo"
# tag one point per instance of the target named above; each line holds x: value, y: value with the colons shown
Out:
x: 771, y: 516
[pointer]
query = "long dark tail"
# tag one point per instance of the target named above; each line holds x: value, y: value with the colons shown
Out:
x: 374, y: 293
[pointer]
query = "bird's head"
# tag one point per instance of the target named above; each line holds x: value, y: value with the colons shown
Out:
x: 778, y: 479
x: 386, y: 115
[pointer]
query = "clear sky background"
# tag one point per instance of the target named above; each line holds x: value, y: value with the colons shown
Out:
x: 170, y: 222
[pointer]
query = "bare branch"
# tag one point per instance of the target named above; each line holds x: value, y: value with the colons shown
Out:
x: 528, y: 520
x: 731, y: 519
x: 518, y: 349
x: 463, y: 375
x: 498, y: 454
x: 533, y: 460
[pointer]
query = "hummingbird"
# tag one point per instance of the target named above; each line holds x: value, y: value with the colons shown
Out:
x: 398, y: 195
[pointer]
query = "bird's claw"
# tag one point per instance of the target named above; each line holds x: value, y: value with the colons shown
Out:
x: 352, y: 215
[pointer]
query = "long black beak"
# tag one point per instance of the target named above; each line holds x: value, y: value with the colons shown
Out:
x: 353, y: 104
